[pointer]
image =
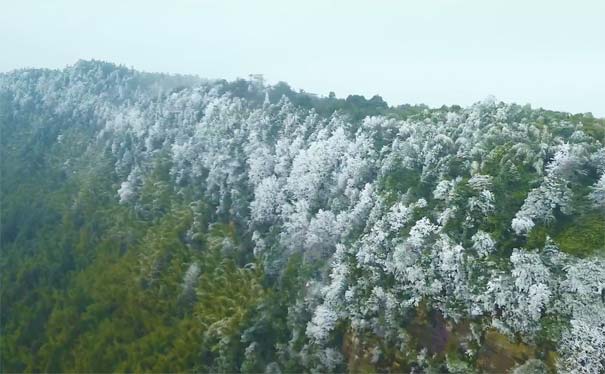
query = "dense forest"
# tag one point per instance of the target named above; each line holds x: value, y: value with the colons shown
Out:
x: 166, y: 223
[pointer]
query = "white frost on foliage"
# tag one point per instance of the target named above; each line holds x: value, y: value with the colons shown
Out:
x: 444, y: 189
x: 323, y: 322
x: 479, y: 182
x: 523, y: 296
x: 323, y: 234
x: 597, y: 195
x: 583, y: 288
x: 566, y: 161
x: 420, y: 232
x: 483, y: 204
x: 446, y: 215
x: 128, y: 189
x: 268, y: 200
x: 483, y: 243
x: 582, y: 348
x: 597, y: 160
x: 190, y: 278
x: 329, y: 359
x: 300, y: 181
x: 522, y: 224
x: 554, y: 191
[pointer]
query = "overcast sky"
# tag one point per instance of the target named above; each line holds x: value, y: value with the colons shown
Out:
x: 549, y: 53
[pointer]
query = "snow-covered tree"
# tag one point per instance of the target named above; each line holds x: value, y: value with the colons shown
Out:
x: 582, y: 348
x: 597, y: 195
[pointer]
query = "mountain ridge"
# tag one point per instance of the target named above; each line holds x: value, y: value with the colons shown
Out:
x: 169, y: 223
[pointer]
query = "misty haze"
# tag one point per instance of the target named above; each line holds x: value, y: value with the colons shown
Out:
x: 310, y: 187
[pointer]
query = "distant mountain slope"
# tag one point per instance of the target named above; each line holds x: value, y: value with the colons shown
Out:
x: 167, y: 223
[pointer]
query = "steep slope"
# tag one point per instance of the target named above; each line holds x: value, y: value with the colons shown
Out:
x: 168, y: 223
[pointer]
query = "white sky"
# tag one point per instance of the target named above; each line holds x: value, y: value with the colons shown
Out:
x: 549, y: 53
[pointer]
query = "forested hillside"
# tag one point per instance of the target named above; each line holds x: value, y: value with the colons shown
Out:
x: 160, y: 223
